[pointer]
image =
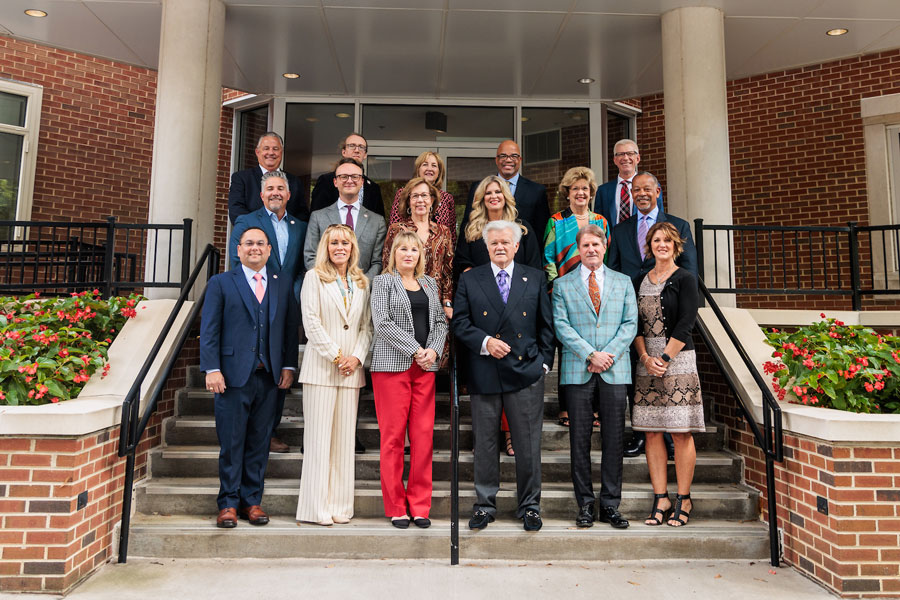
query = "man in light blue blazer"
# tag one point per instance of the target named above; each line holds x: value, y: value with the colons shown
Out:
x: 595, y: 315
x: 287, y: 234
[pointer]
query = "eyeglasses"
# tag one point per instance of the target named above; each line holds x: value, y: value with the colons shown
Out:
x: 424, y: 196
x: 355, y: 178
x: 359, y: 147
x: 250, y: 244
x: 515, y: 157
x: 629, y: 154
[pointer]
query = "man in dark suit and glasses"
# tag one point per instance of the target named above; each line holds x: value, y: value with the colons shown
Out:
x: 614, y: 198
x: 243, y: 194
x: 502, y: 316
x: 248, y: 349
x: 325, y: 194
x: 628, y: 254
x: 531, y: 197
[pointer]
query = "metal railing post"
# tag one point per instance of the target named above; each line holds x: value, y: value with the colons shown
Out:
x: 454, y: 459
x: 854, y: 265
x: 186, y: 251
x: 698, y: 244
x: 109, y: 256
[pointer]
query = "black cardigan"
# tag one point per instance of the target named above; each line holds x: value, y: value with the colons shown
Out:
x: 680, y: 299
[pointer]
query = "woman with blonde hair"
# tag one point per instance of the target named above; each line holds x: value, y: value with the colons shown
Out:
x: 410, y: 329
x: 335, y: 310
x: 430, y: 167
x: 494, y: 202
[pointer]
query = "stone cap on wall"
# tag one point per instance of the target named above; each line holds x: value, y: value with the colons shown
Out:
x: 99, y: 404
x: 822, y: 423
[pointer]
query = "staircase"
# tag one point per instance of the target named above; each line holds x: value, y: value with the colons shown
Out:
x: 176, y: 506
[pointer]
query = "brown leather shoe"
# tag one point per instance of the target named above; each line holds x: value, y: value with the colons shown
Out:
x: 276, y: 445
x: 255, y: 515
x: 227, y: 518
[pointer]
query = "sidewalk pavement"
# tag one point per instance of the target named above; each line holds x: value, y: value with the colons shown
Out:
x: 250, y: 579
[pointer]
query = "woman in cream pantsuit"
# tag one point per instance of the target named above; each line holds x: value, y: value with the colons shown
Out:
x: 336, y: 318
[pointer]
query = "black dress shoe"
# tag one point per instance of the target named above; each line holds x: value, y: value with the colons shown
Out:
x: 610, y: 515
x: 360, y: 449
x: 480, y: 519
x: 585, y: 516
x: 422, y: 522
x: 532, y: 520
x: 400, y: 523
x: 635, y: 447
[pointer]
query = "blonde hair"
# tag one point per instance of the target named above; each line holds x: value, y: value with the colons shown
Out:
x: 326, y: 270
x: 407, y: 236
x: 403, y: 203
x: 575, y: 174
x: 478, y: 218
x: 439, y: 181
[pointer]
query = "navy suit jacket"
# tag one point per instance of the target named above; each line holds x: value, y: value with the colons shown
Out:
x: 292, y: 269
x: 243, y: 194
x: 625, y: 257
x: 525, y: 322
x: 607, y: 204
x: 228, y: 323
x: 325, y: 194
x: 531, y: 202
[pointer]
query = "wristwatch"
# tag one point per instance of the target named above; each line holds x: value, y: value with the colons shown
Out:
x: 666, y: 357
x: 448, y: 304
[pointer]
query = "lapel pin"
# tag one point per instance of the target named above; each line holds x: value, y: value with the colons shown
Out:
x: 274, y: 276
x: 292, y: 222
x: 524, y: 279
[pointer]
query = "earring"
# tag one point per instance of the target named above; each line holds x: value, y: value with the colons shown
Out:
x: 409, y: 211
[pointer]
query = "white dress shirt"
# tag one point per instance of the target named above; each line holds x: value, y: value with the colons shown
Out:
x: 598, y: 275
x: 354, y: 209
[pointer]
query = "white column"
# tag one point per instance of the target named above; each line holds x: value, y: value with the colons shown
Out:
x: 698, y: 173
x: 186, y: 134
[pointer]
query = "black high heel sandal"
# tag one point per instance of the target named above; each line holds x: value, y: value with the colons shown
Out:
x: 678, y: 513
x: 655, y: 509
x: 509, y: 446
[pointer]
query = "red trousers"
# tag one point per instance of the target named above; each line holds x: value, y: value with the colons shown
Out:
x: 405, y: 402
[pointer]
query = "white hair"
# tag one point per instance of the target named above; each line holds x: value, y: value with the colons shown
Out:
x: 502, y: 226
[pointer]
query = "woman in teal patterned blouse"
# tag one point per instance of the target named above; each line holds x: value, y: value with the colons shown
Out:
x: 579, y: 186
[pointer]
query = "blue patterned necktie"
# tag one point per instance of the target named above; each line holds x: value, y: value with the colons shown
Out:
x: 503, y: 284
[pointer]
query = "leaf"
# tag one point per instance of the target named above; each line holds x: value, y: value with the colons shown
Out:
x: 55, y: 389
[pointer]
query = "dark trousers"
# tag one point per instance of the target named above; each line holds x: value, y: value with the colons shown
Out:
x: 525, y: 413
x: 244, y: 427
x: 279, y: 408
x: 611, y: 404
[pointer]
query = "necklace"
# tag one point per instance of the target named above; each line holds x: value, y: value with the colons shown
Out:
x: 660, y: 277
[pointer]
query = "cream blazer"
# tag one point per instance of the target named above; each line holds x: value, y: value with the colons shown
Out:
x: 329, y: 327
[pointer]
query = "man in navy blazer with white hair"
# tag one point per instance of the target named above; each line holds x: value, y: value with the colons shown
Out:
x: 248, y: 349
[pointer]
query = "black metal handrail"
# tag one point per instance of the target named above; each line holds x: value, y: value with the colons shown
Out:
x: 454, y: 457
x: 771, y: 438
x: 57, y: 256
x: 849, y: 260
x: 133, y: 423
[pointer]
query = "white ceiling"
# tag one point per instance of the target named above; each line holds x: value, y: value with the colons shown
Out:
x: 464, y: 48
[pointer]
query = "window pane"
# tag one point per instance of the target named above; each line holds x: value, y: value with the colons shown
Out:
x: 10, y: 167
x: 390, y: 173
x: 254, y: 123
x: 617, y: 128
x: 464, y: 173
x: 312, y: 138
x: 12, y: 109
x: 553, y: 141
x: 424, y: 123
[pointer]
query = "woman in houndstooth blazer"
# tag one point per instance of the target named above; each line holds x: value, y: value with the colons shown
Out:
x: 335, y: 299
x: 410, y: 329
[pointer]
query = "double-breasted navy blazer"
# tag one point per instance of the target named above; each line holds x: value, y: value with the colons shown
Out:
x: 525, y: 322
x: 531, y: 202
x: 625, y: 256
x: 227, y: 327
x: 293, y: 268
x: 605, y: 202
x: 243, y: 194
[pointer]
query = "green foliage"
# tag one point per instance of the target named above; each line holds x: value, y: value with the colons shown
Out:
x: 50, y: 347
x: 830, y: 364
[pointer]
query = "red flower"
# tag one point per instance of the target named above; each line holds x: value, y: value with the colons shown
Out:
x: 869, y: 387
x: 822, y: 315
x: 879, y: 385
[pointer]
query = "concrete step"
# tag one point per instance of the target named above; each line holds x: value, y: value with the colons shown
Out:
x: 197, y: 496
x: 201, y: 430
x: 202, y: 461
x: 197, y: 537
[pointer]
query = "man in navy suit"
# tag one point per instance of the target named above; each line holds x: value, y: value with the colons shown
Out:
x: 243, y: 194
x: 503, y: 317
x: 531, y: 197
x: 325, y: 193
x: 613, y: 199
x: 629, y: 255
x: 248, y: 349
x: 287, y: 234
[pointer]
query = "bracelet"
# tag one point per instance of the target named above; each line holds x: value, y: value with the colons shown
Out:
x: 338, y: 358
x: 641, y: 357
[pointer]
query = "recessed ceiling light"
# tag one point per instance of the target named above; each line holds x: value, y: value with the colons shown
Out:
x: 586, y: 80
x: 342, y: 115
x: 312, y: 119
x: 34, y: 12
x: 291, y: 75
x: 836, y: 31
x: 525, y: 119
